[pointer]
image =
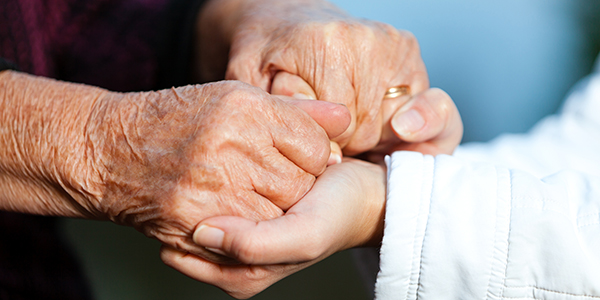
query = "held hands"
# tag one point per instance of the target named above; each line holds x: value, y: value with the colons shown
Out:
x: 344, y: 209
x: 427, y: 122
x: 343, y: 59
x: 166, y: 160
x: 310, y: 49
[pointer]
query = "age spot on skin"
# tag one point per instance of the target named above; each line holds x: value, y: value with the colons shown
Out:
x: 203, y: 177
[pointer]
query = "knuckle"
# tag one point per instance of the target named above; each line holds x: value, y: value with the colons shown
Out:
x: 241, y: 97
x: 389, y: 29
x: 296, y: 186
x: 333, y: 30
x: 407, y: 36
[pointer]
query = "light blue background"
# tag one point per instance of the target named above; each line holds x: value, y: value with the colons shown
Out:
x: 506, y: 63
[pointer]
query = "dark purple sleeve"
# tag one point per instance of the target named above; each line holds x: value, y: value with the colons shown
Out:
x: 120, y: 45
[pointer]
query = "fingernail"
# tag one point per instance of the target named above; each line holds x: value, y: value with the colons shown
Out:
x: 215, y: 250
x: 408, y: 122
x: 302, y: 96
x: 209, y: 237
x: 334, y: 158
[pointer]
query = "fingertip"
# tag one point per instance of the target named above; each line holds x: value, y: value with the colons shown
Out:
x: 208, y: 236
x: 407, y: 123
x: 170, y: 255
x: 303, y: 96
x: 425, y: 117
x: 441, y: 129
x: 336, y: 154
x: 221, y: 234
x: 334, y: 118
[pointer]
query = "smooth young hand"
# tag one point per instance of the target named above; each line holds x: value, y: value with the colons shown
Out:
x: 344, y: 209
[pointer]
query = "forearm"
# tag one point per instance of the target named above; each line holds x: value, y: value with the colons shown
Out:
x: 43, y: 168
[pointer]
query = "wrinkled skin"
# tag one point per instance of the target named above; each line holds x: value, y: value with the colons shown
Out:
x: 178, y: 156
x: 159, y: 161
x: 343, y: 59
x: 344, y: 209
x: 439, y: 133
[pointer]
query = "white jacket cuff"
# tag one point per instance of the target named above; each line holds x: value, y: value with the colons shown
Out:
x: 424, y: 249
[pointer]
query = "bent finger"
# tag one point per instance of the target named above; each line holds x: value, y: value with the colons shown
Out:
x: 290, y: 85
x: 239, y: 281
x: 333, y: 117
x: 289, y: 239
x: 432, y: 119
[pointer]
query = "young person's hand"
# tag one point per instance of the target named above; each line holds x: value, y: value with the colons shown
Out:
x: 344, y: 209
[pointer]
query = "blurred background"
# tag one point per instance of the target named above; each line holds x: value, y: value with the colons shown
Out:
x: 505, y: 63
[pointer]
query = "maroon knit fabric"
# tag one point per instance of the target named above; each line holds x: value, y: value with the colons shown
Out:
x: 107, y: 43
x: 122, y: 45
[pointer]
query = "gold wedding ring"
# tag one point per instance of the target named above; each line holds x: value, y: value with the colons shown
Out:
x: 397, y: 91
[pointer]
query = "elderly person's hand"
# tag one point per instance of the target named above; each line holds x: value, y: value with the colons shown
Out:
x: 341, y: 58
x: 427, y: 122
x: 344, y: 209
x: 158, y: 161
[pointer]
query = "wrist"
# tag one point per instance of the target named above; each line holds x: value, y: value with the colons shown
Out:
x: 374, y: 213
x: 43, y: 159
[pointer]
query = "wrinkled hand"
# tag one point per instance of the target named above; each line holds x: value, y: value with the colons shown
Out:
x: 167, y: 160
x: 344, y: 59
x: 344, y: 209
x: 428, y: 122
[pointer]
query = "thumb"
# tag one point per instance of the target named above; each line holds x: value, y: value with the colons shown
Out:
x: 334, y: 118
x: 430, y: 122
x: 286, y: 239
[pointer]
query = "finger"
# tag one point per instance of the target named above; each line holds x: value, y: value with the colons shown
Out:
x: 334, y: 118
x: 334, y: 129
x: 188, y: 246
x: 337, y: 88
x: 289, y: 239
x: 389, y: 107
x: 343, y: 209
x: 244, y: 63
x: 430, y: 122
x: 290, y: 85
x: 239, y: 281
x: 398, y: 63
x: 336, y: 154
x: 320, y: 82
x: 279, y: 180
x: 296, y: 135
